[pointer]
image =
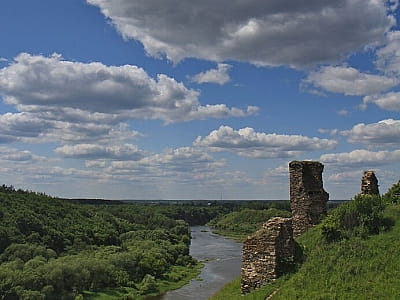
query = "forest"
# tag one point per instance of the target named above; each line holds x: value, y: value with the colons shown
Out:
x: 54, y: 248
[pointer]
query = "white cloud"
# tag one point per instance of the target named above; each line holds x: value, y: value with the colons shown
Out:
x: 22, y: 125
x: 175, y: 165
x: 15, y: 155
x: 246, y: 142
x: 389, y: 101
x: 95, y: 164
x: 268, y: 33
x: 66, y: 89
x: 363, y: 158
x: 91, y: 151
x: 385, y: 132
x: 349, y: 81
x: 343, y: 177
x: 388, y: 57
x: 331, y: 132
x: 343, y: 112
x: 219, y: 75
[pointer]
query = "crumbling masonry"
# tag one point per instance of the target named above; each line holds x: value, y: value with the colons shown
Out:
x: 369, y: 184
x: 308, y: 199
x: 270, y: 252
x: 265, y: 251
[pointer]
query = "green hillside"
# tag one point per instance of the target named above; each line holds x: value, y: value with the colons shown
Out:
x: 54, y: 249
x: 240, y: 224
x: 353, y: 254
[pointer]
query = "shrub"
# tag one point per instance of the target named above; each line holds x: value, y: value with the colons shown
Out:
x: 393, y: 194
x: 148, y: 285
x: 361, y: 216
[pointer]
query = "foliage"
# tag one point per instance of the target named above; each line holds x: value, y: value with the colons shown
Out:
x: 353, y: 268
x: 244, y: 222
x: 361, y: 216
x: 362, y: 263
x: 54, y: 249
x: 393, y: 194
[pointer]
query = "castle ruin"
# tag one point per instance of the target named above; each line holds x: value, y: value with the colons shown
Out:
x: 271, y: 251
x: 308, y: 199
x: 265, y: 253
x: 369, y: 184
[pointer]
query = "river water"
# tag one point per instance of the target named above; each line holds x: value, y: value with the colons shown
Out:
x: 223, y: 259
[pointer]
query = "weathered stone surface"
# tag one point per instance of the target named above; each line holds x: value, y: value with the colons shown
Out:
x: 308, y: 199
x: 369, y: 184
x: 265, y: 253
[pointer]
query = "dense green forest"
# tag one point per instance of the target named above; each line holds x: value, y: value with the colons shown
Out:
x: 54, y: 248
x: 352, y: 254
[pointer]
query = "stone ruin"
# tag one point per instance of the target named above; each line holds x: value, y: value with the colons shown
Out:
x: 308, y: 199
x: 264, y: 253
x: 369, y: 184
x: 271, y: 251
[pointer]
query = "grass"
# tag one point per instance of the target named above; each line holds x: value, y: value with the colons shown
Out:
x: 231, y: 291
x: 353, y: 268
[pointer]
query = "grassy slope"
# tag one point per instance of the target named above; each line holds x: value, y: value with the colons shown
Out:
x: 350, y: 269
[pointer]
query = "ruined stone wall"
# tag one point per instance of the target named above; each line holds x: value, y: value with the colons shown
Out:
x: 264, y: 253
x: 308, y: 199
x: 369, y: 184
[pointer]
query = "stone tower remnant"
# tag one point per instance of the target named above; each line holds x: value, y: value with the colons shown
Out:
x: 265, y: 253
x: 308, y: 199
x: 369, y: 184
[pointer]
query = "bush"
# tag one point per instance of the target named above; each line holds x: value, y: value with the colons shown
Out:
x: 393, y: 194
x: 361, y: 216
x: 148, y: 285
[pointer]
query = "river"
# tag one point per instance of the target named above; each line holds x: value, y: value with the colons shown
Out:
x: 223, y: 259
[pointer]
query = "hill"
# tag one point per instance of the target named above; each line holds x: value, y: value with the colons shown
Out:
x: 54, y: 249
x: 356, y: 258
x: 239, y: 224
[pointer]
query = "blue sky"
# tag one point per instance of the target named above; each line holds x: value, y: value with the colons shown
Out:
x: 159, y: 99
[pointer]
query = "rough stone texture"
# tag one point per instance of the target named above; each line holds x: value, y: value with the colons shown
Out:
x: 308, y: 199
x: 265, y: 253
x: 369, y: 184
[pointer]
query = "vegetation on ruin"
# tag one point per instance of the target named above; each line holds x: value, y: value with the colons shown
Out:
x: 352, y: 254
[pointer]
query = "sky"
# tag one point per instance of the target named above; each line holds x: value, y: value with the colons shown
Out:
x: 167, y: 99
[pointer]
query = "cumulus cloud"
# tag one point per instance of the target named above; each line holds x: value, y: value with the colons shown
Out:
x: 385, y: 132
x: 91, y: 151
x: 249, y: 143
x: 343, y: 177
x: 22, y: 125
x: 184, y: 164
x: 389, y: 101
x: 219, y: 75
x: 349, y: 81
x: 361, y: 157
x: 388, y: 57
x: 15, y: 155
x: 64, y: 88
x: 268, y: 33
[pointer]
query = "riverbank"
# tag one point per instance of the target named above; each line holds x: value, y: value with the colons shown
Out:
x: 222, y: 260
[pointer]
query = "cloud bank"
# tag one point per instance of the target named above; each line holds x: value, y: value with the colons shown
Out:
x: 249, y: 143
x: 267, y: 33
x: 67, y: 89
